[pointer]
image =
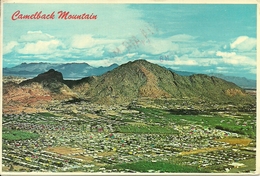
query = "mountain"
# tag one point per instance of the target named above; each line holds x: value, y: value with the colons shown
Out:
x: 53, y: 81
x: 68, y: 70
x: 137, y: 80
x: 240, y: 81
x: 81, y: 70
x: 140, y: 78
x: 29, y: 70
x: 101, y: 70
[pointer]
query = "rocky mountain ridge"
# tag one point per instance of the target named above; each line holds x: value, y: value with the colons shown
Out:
x: 80, y: 70
x: 140, y: 79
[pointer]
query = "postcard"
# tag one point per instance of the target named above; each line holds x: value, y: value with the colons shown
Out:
x: 129, y: 88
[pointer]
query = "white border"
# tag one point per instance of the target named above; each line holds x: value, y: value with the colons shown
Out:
x: 142, y: 2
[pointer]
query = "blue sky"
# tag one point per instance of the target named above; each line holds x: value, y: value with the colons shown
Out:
x: 187, y: 37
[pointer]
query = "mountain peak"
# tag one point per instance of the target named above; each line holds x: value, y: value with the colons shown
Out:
x: 140, y: 78
x: 114, y: 65
x: 140, y: 61
x: 49, y: 76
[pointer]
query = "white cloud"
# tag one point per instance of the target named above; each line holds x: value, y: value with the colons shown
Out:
x: 110, y: 47
x: 9, y: 47
x: 157, y: 46
x: 247, y: 45
x: 82, y: 41
x: 33, y: 36
x: 222, y: 70
x: 36, y: 43
x: 234, y: 59
x: 186, y: 45
x: 147, y: 43
x: 184, y: 61
x: 40, y: 47
x: 95, y: 51
x: 208, y: 61
x: 225, y: 54
x: 244, y: 43
x: 176, y: 62
x: 177, y: 44
x: 182, y: 38
x: 108, y: 61
x: 144, y: 56
x: 238, y: 41
x: 191, y: 61
x: 130, y: 55
x: 197, y: 53
x: 240, y: 60
x: 34, y: 32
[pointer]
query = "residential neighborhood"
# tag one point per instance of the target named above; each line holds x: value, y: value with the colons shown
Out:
x: 87, y: 138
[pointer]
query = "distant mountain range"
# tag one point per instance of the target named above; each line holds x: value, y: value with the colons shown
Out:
x: 68, y: 70
x: 140, y: 79
x: 240, y: 81
x: 81, y: 70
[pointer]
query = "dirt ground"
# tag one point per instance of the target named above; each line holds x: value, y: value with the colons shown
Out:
x: 85, y: 158
x: 106, y: 153
x: 64, y: 150
x: 234, y: 141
